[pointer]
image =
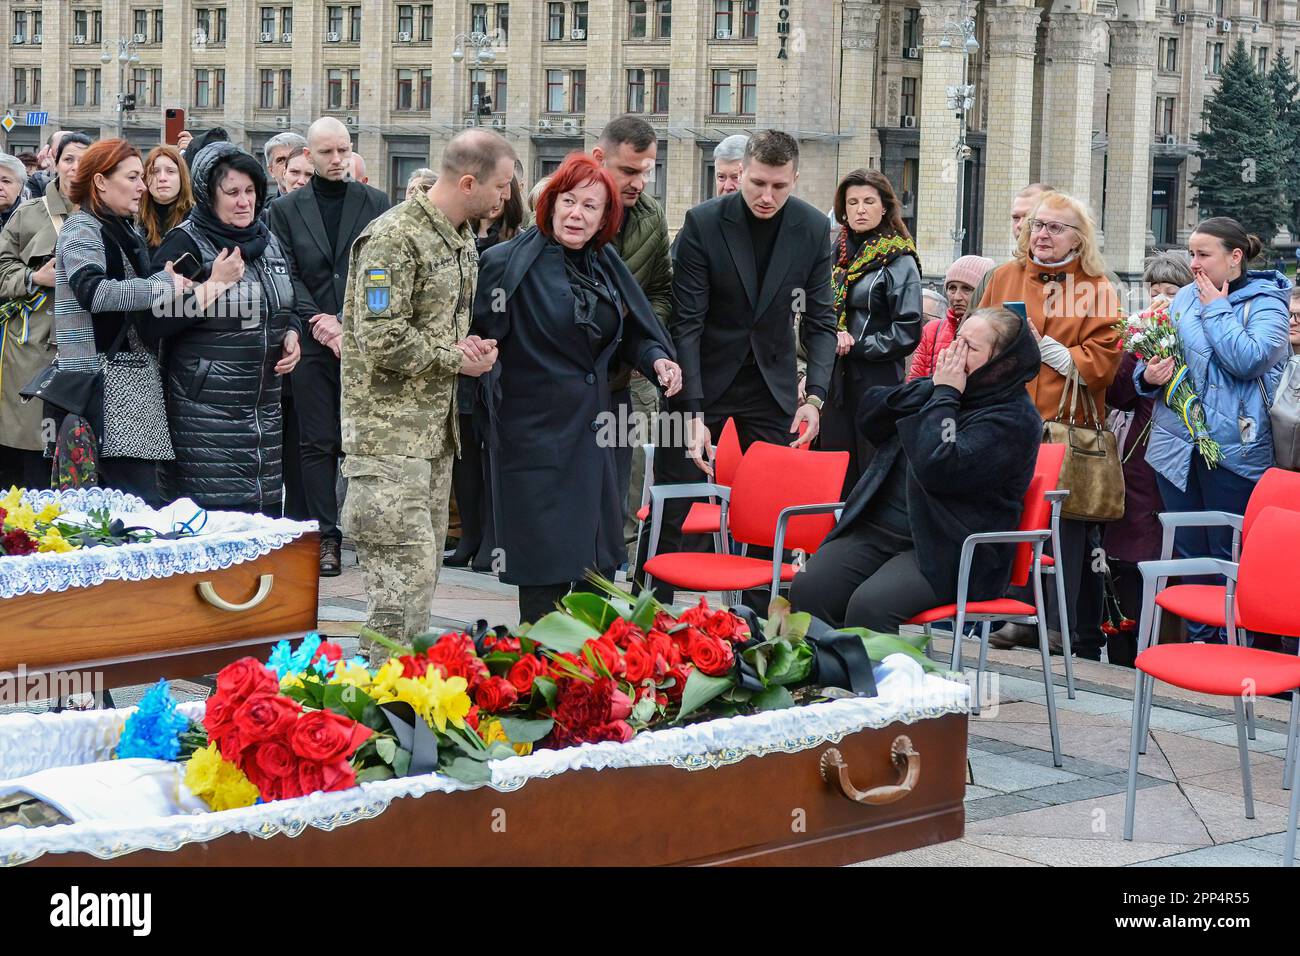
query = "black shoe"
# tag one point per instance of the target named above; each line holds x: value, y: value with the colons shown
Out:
x: 331, y: 562
x: 461, y: 557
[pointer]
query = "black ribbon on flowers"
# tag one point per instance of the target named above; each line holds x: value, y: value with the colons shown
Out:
x: 840, y: 660
x: 1052, y: 276
x: 479, y: 632
x: 742, y: 671
x: 414, y: 735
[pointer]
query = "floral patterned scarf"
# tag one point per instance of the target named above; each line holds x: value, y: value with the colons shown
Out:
x: 878, y: 251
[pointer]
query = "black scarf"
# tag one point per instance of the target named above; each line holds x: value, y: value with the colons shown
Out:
x: 129, y: 242
x: 251, y: 240
x: 590, y: 287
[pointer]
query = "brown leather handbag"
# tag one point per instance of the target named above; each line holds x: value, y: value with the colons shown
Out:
x: 1092, y: 472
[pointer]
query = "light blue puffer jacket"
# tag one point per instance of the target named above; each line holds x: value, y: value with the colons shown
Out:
x: 1228, y: 353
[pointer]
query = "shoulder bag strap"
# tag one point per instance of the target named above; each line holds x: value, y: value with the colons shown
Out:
x: 1263, y: 392
x: 56, y: 219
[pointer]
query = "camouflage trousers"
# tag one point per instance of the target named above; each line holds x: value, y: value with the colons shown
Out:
x: 645, y: 401
x: 396, y: 512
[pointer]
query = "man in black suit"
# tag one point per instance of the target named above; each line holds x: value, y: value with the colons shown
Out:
x: 317, y: 225
x: 750, y: 265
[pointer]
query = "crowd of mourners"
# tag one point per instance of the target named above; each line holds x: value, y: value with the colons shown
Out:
x: 180, y: 318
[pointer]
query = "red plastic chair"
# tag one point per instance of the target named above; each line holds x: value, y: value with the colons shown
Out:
x: 1262, y: 587
x: 780, y: 497
x: 705, y: 517
x: 1034, y: 531
x: 1206, y: 603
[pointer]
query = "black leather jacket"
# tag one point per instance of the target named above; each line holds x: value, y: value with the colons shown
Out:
x: 883, y: 312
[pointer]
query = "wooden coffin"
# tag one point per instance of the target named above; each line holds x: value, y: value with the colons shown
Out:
x: 778, y: 809
x: 186, y: 625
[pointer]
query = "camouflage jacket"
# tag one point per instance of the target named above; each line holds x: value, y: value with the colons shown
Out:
x: 410, y: 290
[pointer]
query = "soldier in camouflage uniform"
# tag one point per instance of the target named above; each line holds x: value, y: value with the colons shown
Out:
x: 410, y: 289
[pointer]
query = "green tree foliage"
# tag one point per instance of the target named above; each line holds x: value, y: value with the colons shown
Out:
x: 1283, y: 87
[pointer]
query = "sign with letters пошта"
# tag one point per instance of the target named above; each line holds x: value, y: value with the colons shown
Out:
x: 783, y: 28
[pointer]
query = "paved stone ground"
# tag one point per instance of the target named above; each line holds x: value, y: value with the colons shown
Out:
x: 1021, y: 811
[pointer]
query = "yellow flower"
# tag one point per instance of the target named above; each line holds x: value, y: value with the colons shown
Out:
x: 49, y: 513
x: 21, y: 517
x: 290, y: 680
x: 385, y: 681
x: 11, y: 501
x: 436, y: 700
x: 218, y: 782
x: 53, y: 540
x: 493, y: 732
x: 349, y: 673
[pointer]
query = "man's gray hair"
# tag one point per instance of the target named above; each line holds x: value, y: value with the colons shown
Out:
x: 295, y: 142
x: 15, y: 166
x: 731, y: 149
x: 938, y: 298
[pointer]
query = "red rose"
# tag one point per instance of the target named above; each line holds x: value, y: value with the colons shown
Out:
x: 265, y: 717
x: 324, y: 736
x: 3, y: 514
x: 246, y: 677
x: 725, y: 626
x: 711, y: 656
x: 455, y: 656
x: 218, y: 714
x: 621, y: 632
x: 415, y: 666
x: 581, y: 708
x: 495, y: 695
x: 328, y: 650
x: 663, y: 622
x: 620, y: 705
x: 272, y: 768
x: 665, y: 650
x: 524, y: 671
x: 678, y: 675
x: 501, y: 645
x: 310, y: 777
x: 617, y: 730
x: 17, y: 542
x: 338, y: 775
x: 609, y: 655
x: 472, y: 717
x: 697, y: 615
x: 638, y: 661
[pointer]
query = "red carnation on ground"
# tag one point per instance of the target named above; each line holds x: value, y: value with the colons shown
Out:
x: 17, y: 542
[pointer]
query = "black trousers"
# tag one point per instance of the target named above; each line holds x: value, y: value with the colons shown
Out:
x: 839, y: 430
x: 469, y: 481
x: 316, y: 401
x: 868, y: 577
x: 295, y: 500
x: 135, y: 476
x: 24, y: 468
x: 538, y: 600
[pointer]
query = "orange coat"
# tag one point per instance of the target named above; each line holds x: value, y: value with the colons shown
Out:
x: 1080, y: 313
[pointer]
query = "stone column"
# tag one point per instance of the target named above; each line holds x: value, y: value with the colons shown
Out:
x: 858, y: 87
x: 937, y: 188
x: 309, y: 86
x: 688, y: 100
x: 378, y: 88
x: 1128, y: 167
x: 1012, y: 36
x: 1068, y: 84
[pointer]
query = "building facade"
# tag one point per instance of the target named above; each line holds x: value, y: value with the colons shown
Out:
x: 1097, y: 97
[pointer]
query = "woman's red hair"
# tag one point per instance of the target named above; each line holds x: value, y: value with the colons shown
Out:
x: 101, y: 157
x: 578, y: 169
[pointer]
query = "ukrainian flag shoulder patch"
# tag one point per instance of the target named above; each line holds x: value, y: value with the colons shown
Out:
x: 377, y: 290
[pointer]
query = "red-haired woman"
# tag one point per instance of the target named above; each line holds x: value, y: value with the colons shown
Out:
x: 169, y: 196
x: 561, y: 306
x: 110, y: 310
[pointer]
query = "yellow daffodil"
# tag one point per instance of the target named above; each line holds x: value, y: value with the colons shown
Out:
x: 385, y: 681
x: 438, y: 701
x: 218, y: 782
x: 54, y: 541
x: 11, y: 501
x: 290, y: 680
x: 48, y: 513
x: 449, y: 700
x: 493, y: 732
x: 349, y: 673
x: 20, y: 517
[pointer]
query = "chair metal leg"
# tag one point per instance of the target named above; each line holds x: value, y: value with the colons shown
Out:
x: 1049, y: 683
x: 957, y: 627
x: 1063, y: 622
x: 1250, y: 719
x: 929, y: 642
x: 1288, y: 857
x: 1130, y: 799
x: 1291, y: 740
x: 1244, y: 751
x: 1149, y: 697
x: 983, y: 662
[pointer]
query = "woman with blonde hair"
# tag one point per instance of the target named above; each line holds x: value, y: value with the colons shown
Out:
x: 1059, y: 274
x: 168, y: 196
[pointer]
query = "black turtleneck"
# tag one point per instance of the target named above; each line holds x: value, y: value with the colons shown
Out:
x: 329, y: 196
x: 1238, y: 283
x: 762, y: 233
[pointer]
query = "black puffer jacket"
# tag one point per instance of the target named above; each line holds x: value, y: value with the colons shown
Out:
x: 223, y: 394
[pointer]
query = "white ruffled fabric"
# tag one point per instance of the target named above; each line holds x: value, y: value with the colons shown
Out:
x: 226, y: 538
x: 33, y: 742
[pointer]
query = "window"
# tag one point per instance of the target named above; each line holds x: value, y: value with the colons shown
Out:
x: 203, y: 22
x: 721, y: 101
x: 157, y: 26
x: 95, y: 86
x: 286, y: 88
x: 478, y: 18
x: 38, y: 18
x: 36, y: 86
x: 402, y: 168
x: 406, y: 19
x: 749, y: 23
x: 1168, y: 59
x: 638, y: 19
x: 580, y: 17
x: 426, y: 90
x: 405, y: 85
x: 1165, y: 106
x: 660, y: 104
x: 1218, y: 8
x: 334, y: 20
x: 908, y: 101
x: 426, y: 21
x: 1261, y: 58
x: 80, y: 23
x: 155, y: 87
x: 20, y: 29
x: 503, y: 26
x: 499, y: 90
x: 79, y: 87
x: 911, y: 27
x: 201, y: 90
x: 266, y: 90
x: 555, y: 91
x: 20, y: 86
x: 268, y: 20
x: 636, y: 91
x: 140, y: 87
x: 96, y: 26
x: 663, y: 19
x: 1263, y: 10
x: 354, y: 25
x: 578, y: 91
x: 219, y: 88
x: 221, y: 25
x: 748, y: 92
x: 1213, y: 59
x: 478, y: 89
x: 722, y: 20
x: 354, y: 89
x: 286, y: 20
x: 555, y: 21
x: 140, y: 19
x: 334, y: 89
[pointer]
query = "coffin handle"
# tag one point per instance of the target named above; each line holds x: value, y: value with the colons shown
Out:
x: 835, y: 771
x: 209, y: 594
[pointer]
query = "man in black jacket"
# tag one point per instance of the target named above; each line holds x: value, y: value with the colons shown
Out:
x: 316, y: 226
x: 750, y: 265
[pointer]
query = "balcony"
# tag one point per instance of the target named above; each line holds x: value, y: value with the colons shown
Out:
x: 490, y: 120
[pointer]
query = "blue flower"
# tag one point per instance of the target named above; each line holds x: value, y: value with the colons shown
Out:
x: 154, y: 729
x: 284, y: 661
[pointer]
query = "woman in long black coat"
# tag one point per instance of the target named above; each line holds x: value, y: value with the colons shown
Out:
x: 955, y: 455
x: 560, y: 304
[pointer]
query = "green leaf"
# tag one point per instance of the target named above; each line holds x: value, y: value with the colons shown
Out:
x: 377, y: 772
x: 386, y: 747
x: 561, y: 633
x: 373, y: 717
x: 591, y: 609
x: 796, y: 626
x: 777, y: 612
x: 881, y: 646
x: 644, y: 611
x: 699, y: 690
x: 425, y: 641
x: 401, y: 762
x: 643, y: 710
x: 521, y: 731
x: 467, y: 770
x: 546, y: 687
x: 397, y: 649
x: 774, y: 698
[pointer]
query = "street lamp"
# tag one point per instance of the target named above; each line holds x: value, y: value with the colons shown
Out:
x: 124, y: 51
x: 481, y: 53
x: 961, y: 98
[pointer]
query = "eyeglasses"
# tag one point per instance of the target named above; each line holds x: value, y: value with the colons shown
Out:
x: 1053, y: 229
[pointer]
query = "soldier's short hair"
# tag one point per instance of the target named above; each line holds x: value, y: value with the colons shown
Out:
x: 475, y: 152
x: 771, y: 147
x: 627, y: 128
